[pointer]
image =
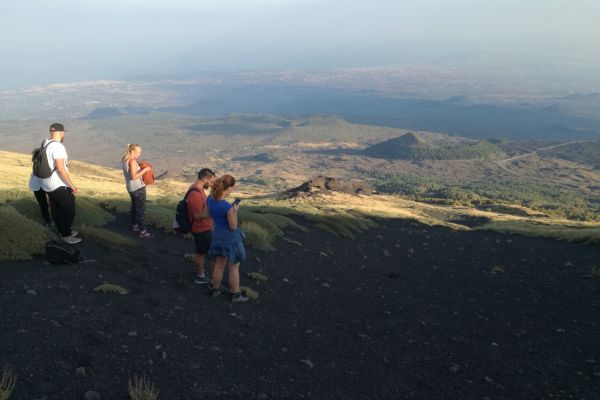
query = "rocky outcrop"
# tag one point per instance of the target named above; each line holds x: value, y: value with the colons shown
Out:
x: 324, y: 184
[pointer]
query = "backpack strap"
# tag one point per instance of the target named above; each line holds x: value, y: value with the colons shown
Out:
x: 190, y: 191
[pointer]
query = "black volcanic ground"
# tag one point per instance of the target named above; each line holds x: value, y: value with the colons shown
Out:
x: 403, y: 311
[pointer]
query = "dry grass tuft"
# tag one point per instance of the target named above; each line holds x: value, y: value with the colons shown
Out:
x: 111, y: 288
x: 560, y: 232
x: 257, y: 236
x: 142, y: 389
x: 7, y: 383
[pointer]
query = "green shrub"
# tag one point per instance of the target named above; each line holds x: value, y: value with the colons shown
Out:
x: 20, y: 237
x: 257, y: 237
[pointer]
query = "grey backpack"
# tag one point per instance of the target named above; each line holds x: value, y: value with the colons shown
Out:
x: 41, y: 166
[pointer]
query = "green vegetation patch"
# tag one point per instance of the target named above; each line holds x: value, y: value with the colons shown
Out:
x: 160, y: 216
x: 142, y: 389
x: 111, y: 288
x: 559, y: 232
x: 257, y: 236
x: 250, y: 293
x: 8, y: 380
x: 257, y: 276
x: 105, y: 237
x: 22, y: 242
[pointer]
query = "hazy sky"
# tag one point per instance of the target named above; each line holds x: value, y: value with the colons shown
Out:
x: 66, y: 40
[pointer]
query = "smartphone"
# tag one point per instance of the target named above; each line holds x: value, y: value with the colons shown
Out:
x: 236, y: 202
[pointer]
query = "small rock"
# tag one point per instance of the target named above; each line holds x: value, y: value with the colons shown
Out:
x: 488, y: 379
x: 164, y: 355
x: 597, y: 374
x: 325, y: 285
x: 31, y: 292
x: 286, y: 280
x: 308, y: 363
x: 387, y: 253
x: 454, y: 368
x: 55, y: 323
x: 80, y: 371
x: 132, y: 334
x: 91, y: 395
x: 262, y: 396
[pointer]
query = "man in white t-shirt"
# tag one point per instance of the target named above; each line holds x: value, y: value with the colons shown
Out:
x: 61, y: 190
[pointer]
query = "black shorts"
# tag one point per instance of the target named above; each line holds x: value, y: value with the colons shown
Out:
x: 202, y: 241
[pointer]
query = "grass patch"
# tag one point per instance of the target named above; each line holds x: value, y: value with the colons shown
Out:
x: 250, y: 293
x: 21, y: 243
x: 563, y: 233
x: 257, y: 236
x: 7, y: 383
x: 263, y: 221
x: 106, y: 238
x: 160, y: 216
x: 257, y: 276
x: 142, y: 389
x: 111, y: 288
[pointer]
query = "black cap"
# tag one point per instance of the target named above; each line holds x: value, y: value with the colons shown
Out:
x: 56, y: 127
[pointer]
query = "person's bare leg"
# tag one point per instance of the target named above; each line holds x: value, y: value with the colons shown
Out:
x: 217, y: 274
x: 199, y: 261
x: 234, y: 277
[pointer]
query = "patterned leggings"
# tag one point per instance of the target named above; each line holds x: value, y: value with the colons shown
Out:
x: 138, y: 207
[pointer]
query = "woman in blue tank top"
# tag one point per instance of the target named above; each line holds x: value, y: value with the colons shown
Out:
x: 226, y: 247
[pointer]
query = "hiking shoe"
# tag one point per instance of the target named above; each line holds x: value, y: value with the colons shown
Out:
x: 238, y: 297
x: 135, y: 228
x: 71, y: 239
x: 215, y: 292
x: 145, y: 234
x: 201, y: 280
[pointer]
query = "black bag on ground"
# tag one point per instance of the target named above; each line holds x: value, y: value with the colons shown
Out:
x: 61, y: 252
x: 41, y: 166
x: 182, y: 223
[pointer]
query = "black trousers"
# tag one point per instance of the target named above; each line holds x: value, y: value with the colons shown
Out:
x: 62, y: 205
x: 138, y: 207
x: 42, y: 200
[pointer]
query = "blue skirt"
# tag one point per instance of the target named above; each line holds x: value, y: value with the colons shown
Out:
x: 227, y: 243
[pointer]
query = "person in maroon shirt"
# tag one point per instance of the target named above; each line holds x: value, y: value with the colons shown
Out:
x: 201, y: 221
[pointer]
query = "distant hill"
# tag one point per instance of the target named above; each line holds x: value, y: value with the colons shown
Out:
x: 584, y: 153
x: 412, y: 147
x: 104, y: 112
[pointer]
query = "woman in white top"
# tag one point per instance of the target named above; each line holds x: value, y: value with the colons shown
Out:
x: 136, y: 188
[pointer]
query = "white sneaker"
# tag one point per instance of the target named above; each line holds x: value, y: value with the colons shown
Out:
x: 71, y: 239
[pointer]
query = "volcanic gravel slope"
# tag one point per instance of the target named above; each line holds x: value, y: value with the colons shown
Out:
x: 402, y: 311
